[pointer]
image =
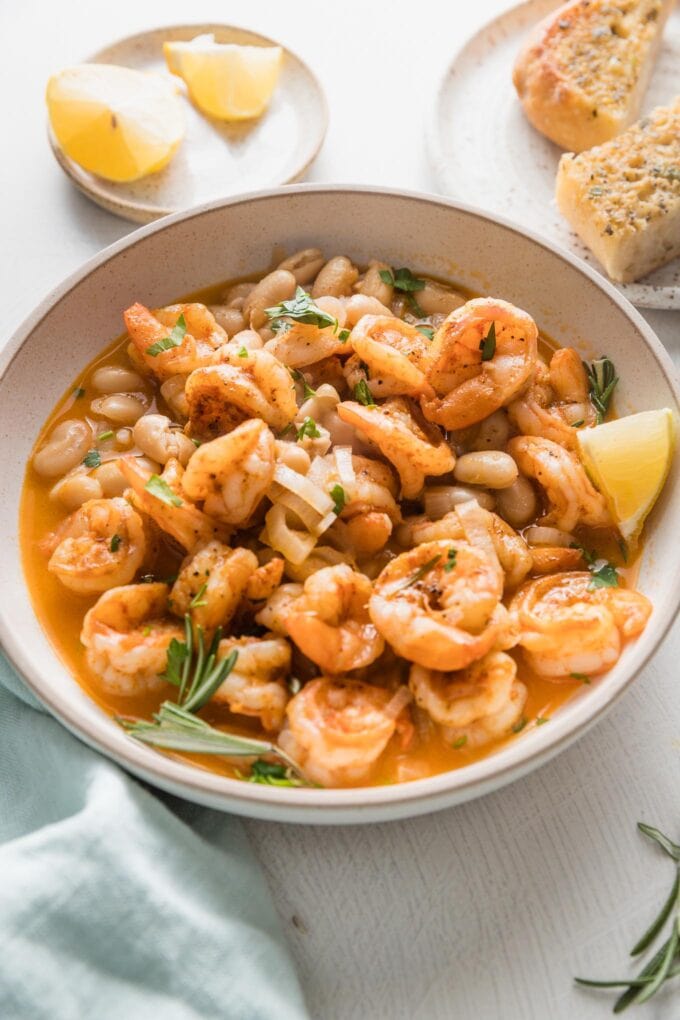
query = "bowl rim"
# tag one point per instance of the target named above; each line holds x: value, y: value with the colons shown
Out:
x: 353, y: 804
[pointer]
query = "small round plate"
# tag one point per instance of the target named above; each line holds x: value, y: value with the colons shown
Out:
x: 484, y: 151
x: 215, y: 159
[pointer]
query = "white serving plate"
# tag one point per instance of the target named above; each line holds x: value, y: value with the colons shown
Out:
x: 163, y: 261
x: 483, y: 150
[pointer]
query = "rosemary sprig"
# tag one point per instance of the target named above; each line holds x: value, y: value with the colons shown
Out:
x: 602, y: 379
x: 665, y: 964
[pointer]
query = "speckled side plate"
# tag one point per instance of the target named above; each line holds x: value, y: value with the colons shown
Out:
x: 483, y: 149
x: 215, y: 159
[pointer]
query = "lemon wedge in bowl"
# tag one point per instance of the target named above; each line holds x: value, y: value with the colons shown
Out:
x: 628, y: 460
x: 225, y: 80
x: 116, y: 122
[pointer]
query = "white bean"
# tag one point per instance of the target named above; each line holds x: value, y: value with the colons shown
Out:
x: 493, y: 433
x: 230, y: 319
x: 237, y: 294
x: 248, y: 338
x: 517, y: 504
x: 110, y: 479
x: 548, y: 536
x: 121, y: 408
x: 439, y: 500
x: 271, y: 290
x: 76, y: 489
x: 124, y: 438
x: 304, y: 265
x: 158, y: 438
x: 435, y: 297
x: 173, y: 393
x: 116, y: 379
x: 293, y: 456
x: 333, y: 306
x: 490, y: 468
x: 66, y: 446
x: 362, y: 304
x: 374, y: 286
x: 336, y: 279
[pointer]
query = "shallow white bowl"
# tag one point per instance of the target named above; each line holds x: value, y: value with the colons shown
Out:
x: 231, y: 238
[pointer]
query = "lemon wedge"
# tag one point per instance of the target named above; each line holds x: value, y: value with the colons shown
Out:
x: 628, y: 460
x: 226, y: 81
x: 114, y: 121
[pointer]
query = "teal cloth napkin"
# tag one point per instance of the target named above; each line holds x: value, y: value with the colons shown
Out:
x: 116, y: 902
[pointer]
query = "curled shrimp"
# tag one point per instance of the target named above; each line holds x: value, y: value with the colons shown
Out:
x: 250, y: 384
x: 305, y: 344
x: 571, y: 496
x: 196, y: 346
x: 566, y: 625
x: 257, y: 683
x: 274, y: 613
x: 415, y: 449
x: 264, y: 581
x: 101, y: 545
x: 556, y: 403
x: 210, y: 584
x: 473, y: 377
x: 167, y: 504
x: 479, y: 703
x: 511, y: 549
x: 337, y: 729
x: 231, y: 474
x: 330, y: 624
x: 439, y: 605
x: 126, y: 636
x: 395, y: 355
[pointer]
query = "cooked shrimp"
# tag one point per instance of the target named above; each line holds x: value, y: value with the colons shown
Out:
x: 257, y: 683
x: 264, y: 581
x: 511, y: 549
x: 305, y: 344
x: 210, y: 584
x: 160, y: 438
x: 571, y: 496
x: 232, y: 473
x: 567, y: 626
x: 556, y: 403
x: 126, y: 636
x: 416, y: 449
x: 439, y: 605
x: 551, y: 559
x: 196, y: 345
x: 274, y: 614
x: 471, y: 377
x: 167, y: 505
x: 225, y: 394
x: 479, y: 703
x: 395, y: 355
x: 337, y: 729
x: 100, y: 546
x: 330, y: 624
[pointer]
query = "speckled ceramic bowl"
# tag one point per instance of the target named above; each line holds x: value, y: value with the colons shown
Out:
x: 233, y: 237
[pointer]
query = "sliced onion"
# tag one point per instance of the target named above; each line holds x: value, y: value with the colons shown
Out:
x: 303, y: 487
x: 325, y: 523
x: 344, y: 465
x: 293, y: 545
x: 401, y: 698
x: 310, y: 518
x: 548, y: 536
x: 476, y: 525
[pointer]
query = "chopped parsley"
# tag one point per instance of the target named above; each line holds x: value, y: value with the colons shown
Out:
x: 540, y: 719
x: 427, y: 331
x: 301, y: 308
x: 519, y: 725
x: 363, y: 394
x: 306, y: 388
x: 104, y: 436
x: 450, y: 561
x: 583, y: 677
x: 308, y: 430
x: 488, y: 345
x: 577, y: 424
x: 177, y: 654
x: 243, y: 352
x: 604, y: 577
x: 339, y: 498
x: 402, y: 279
x: 174, y: 339
x: 271, y: 774
x: 460, y: 742
x: 114, y: 545
x: 343, y: 336
x: 92, y: 459
x: 156, y: 486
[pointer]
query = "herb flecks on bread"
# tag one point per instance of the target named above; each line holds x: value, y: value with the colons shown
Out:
x: 623, y: 198
x: 583, y: 72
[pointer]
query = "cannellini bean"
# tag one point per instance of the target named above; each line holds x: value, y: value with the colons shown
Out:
x: 121, y: 408
x: 76, y: 489
x: 248, y: 338
x: 439, y: 500
x: 490, y: 468
x: 66, y: 446
x: 173, y: 393
x: 548, y: 536
x: 517, y: 504
x: 374, y: 286
x: 124, y: 438
x: 230, y: 319
x: 236, y: 295
x: 271, y: 290
x: 266, y: 333
x: 293, y: 456
x: 335, y: 307
x: 435, y: 297
x: 116, y: 379
x: 336, y: 278
x: 160, y: 439
x: 493, y: 432
x: 304, y: 265
x: 110, y: 479
x: 362, y: 304
x: 149, y: 464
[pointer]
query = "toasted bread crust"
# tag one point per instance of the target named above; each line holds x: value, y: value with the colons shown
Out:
x: 583, y: 72
x: 623, y: 198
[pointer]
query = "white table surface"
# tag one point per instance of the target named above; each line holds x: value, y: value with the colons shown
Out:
x: 482, y: 912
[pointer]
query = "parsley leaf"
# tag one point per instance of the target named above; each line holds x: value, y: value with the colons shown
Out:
x: 243, y: 352
x: 427, y: 331
x: 105, y: 435
x: 168, y: 342
x: 306, y: 388
x: 339, y: 498
x: 271, y: 774
x: 92, y: 459
x: 343, y: 335
x: 460, y: 742
x: 519, y: 725
x: 156, y: 486
x: 540, y: 719
x: 115, y: 543
x: 402, y: 279
x: 198, y: 599
x: 363, y: 394
x: 301, y: 308
x: 450, y: 561
x: 583, y: 677
x: 604, y: 577
x: 308, y: 430
x: 488, y: 345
